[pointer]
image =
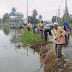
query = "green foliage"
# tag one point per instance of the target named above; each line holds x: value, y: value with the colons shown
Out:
x: 40, y: 17
x: 35, y: 13
x: 5, y: 17
x: 28, y: 38
x: 70, y: 25
x: 66, y: 17
x: 54, y: 19
x: 32, y: 20
x: 13, y: 9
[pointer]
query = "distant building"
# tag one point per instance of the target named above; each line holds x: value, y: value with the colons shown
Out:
x: 16, y: 20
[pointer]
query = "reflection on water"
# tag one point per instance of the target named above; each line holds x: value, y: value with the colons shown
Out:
x: 12, y: 58
x: 6, y: 30
x: 16, y: 36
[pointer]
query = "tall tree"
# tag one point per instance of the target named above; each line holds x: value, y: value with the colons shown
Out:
x: 13, y: 9
x: 40, y: 17
x: 54, y: 19
x: 33, y: 20
x: 35, y: 13
x: 66, y: 17
x: 5, y: 17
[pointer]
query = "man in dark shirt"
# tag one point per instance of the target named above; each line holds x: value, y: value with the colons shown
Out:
x: 46, y: 31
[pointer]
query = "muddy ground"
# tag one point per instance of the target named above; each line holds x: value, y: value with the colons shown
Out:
x: 50, y: 64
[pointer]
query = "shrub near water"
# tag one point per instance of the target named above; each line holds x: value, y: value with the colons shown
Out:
x: 28, y: 38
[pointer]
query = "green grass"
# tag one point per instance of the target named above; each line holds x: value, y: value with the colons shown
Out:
x: 28, y: 38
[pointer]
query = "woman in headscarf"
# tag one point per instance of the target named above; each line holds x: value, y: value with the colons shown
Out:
x: 67, y: 29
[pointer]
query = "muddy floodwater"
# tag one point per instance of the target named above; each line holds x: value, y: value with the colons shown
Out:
x: 14, y: 59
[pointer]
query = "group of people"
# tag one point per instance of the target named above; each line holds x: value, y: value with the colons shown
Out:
x: 60, y: 34
x: 40, y: 28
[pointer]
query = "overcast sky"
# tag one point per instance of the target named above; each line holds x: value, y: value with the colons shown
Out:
x: 47, y: 8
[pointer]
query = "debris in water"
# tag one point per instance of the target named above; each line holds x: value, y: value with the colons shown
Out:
x: 19, y: 45
x: 66, y: 60
x: 40, y: 66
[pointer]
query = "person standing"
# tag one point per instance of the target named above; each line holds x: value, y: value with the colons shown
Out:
x: 38, y: 27
x: 34, y: 27
x: 67, y: 29
x: 59, y: 36
x: 28, y: 26
x: 41, y: 29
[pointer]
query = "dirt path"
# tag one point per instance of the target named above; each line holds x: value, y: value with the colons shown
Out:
x: 51, y: 65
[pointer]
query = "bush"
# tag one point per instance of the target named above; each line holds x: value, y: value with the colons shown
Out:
x: 28, y: 38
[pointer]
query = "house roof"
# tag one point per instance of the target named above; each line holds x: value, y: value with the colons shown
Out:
x: 16, y: 14
x: 12, y: 14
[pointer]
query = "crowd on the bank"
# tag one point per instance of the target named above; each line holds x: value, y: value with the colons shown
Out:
x: 60, y: 34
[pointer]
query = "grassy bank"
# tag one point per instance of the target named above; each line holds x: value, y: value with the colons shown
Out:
x: 51, y: 65
x: 28, y: 38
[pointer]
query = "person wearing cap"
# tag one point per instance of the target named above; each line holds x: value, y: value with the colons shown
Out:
x: 59, y: 36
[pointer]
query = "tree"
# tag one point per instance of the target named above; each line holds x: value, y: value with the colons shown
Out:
x: 5, y: 17
x: 13, y: 9
x: 54, y: 19
x: 32, y: 20
x: 34, y: 13
x: 40, y: 17
x: 0, y: 20
x: 70, y: 21
x: 66, y: 17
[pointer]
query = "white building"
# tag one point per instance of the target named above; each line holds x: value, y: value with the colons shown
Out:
x: 16, y: 20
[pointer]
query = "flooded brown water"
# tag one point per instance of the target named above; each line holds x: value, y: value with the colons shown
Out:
x: 13, y: 59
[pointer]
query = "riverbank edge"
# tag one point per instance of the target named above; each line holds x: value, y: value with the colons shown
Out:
x: 51, y: 65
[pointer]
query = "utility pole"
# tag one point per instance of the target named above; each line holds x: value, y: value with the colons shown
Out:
x: 56, y: 17
x: 58, y: 14
x: 66, y: 9
x: 27, y: 11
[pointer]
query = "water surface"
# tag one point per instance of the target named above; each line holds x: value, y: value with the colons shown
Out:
x: 13, y: 59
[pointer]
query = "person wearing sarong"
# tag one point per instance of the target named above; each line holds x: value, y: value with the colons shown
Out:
x: 59, y: 36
